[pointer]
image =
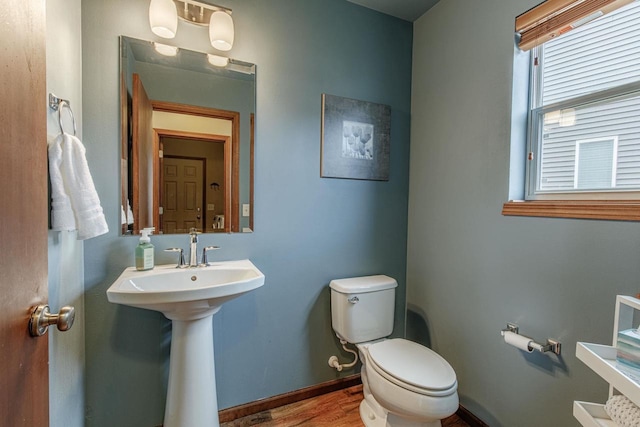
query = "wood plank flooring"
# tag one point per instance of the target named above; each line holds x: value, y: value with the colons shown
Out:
x: 337, y: 409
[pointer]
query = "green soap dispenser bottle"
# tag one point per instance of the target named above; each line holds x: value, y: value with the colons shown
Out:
x: 144, y: 251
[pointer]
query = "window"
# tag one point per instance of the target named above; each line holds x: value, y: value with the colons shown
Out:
x: 596, y: 163
x: 584, y: 115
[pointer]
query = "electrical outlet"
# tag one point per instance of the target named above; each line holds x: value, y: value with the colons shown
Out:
x: 211, y: 207
x: 245, y: 209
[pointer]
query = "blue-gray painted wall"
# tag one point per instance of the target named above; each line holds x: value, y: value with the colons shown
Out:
x: 472, y: 270
x: 308, y: 230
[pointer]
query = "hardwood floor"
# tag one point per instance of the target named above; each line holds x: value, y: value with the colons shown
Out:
x: 337, y: 409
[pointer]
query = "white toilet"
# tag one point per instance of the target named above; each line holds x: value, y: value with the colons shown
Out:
x: 404, y: 383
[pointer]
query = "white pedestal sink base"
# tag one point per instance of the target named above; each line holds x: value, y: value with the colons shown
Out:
x: 191, y: 396
x: 189, y: 297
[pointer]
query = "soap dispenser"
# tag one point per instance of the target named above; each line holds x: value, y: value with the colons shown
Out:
x: 144, y: 251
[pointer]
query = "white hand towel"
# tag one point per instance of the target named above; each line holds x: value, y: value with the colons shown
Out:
x: 68, y: 162
x: 126, y: 217
x: 61, y: 213
x: 130, y: 218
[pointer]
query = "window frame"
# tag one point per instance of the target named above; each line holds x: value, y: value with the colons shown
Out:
x: 536, y: 120
x: 612, y: 204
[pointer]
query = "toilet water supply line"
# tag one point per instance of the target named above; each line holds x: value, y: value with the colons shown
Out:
x: 333, y: 360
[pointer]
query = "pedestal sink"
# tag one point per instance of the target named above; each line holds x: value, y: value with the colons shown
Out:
x: 189, y: 297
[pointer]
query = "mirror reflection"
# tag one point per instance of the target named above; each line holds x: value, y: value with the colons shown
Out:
x: 187, y: 140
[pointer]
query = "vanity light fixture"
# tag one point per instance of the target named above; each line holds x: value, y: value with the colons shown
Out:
x: 165, y: 49
x: 217, y: 61
x: 164, y: 14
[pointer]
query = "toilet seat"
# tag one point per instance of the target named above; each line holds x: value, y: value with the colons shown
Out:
x: 413, y: 367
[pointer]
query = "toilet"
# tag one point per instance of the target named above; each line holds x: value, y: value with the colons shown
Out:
x: 404, y: 383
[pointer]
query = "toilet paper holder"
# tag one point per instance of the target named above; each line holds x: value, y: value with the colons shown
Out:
x: 551, y: 345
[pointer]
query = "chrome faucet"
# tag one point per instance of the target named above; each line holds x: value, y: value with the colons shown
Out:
x: 193, y: 252
x: 193, y: 247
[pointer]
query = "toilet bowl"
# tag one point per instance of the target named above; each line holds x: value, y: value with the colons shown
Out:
x: 404, y: 383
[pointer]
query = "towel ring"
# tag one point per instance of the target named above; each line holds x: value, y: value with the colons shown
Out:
x: 65, y: 103
x: 56, y: 104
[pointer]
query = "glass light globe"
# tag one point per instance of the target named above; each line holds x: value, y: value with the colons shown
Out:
x: 163, y: 18
x: 218, y: 61
x: 221, y: 30
x: 165, y: 49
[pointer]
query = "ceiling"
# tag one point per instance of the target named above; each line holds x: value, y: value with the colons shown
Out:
x: 409, y: 10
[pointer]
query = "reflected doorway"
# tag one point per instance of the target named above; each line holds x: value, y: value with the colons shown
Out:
x: 195, y: 182
x: 182, y: 197
x: 180, y: 131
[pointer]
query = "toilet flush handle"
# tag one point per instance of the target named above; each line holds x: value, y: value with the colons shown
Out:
x: 353, y: 300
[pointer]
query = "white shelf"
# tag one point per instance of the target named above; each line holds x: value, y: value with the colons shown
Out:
x: 591, y: 415
x: 602, y: 360
x: 628, y: 301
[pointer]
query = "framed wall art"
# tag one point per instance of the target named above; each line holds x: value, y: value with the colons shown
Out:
x: 355, y: 138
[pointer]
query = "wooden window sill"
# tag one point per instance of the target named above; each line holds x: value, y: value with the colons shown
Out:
x: 620, y: 210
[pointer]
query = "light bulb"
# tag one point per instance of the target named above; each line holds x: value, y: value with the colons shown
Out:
x: 163, y: 18
x: 221, y: 30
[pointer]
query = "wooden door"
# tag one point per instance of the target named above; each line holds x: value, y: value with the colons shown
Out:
x: 143, y: 157
x: 183, y: 194
x: 24, y: 375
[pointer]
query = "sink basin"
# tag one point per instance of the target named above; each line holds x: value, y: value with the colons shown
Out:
x: 184, y: 291
x: 189, y: 297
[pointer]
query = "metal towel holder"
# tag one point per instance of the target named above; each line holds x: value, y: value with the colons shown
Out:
x: 56, y: 104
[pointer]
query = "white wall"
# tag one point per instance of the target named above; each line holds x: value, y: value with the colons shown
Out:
x: 65, y: 255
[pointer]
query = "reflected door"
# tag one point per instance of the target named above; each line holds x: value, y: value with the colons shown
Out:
x: 183, y: 194
x: 143, y: 157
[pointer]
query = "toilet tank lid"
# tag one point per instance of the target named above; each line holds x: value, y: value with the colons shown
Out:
x: 364, y: 284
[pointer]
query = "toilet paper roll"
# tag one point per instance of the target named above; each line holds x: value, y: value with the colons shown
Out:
x: 518, y: 341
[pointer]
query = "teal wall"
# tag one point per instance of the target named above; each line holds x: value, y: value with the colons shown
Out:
x: 308, y: 230
x: 472, y: 270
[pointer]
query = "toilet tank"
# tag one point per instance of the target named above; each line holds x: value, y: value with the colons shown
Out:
x: 362, y: 308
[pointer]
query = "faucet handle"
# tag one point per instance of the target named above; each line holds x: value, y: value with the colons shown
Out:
x: 181, y: 262
x: 204, y: 254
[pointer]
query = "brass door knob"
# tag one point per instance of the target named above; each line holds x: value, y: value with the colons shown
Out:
x: 41, y: 319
